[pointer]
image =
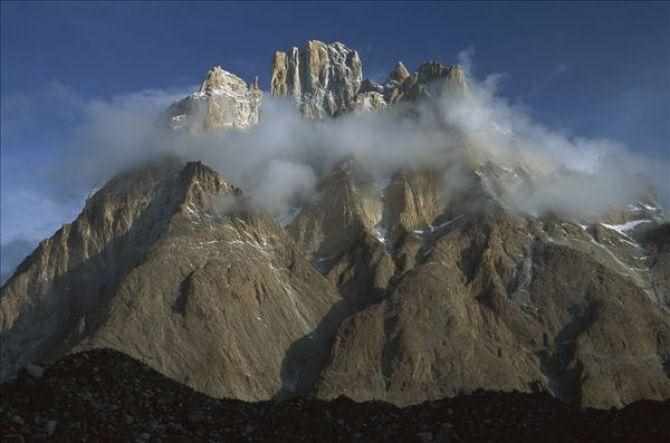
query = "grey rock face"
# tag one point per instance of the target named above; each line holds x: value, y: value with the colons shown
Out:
x: 322, y: 78
x: 224, y: 101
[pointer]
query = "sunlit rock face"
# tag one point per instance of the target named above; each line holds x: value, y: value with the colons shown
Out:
x: 326, y: 80
x: 168, y: 264
x: 323, y: 78
x: 224, y: 101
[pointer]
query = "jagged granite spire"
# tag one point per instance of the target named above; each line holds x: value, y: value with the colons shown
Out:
x: 223, y: 101
x: 323, y: 78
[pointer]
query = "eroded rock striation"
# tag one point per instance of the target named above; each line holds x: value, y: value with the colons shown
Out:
x: 454, y: 291
x: 322, y: 78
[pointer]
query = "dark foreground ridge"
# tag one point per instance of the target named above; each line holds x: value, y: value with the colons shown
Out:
x: 102, y: 395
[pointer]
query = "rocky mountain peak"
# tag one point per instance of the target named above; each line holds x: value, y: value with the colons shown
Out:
x: 198, y: 172
x: 322, y: 78
x: 199, y: 182
x: 432, y: 79
x: 452, y: 77
x: 220, y: 81
x: 399, y: 73
x: 224, y: 101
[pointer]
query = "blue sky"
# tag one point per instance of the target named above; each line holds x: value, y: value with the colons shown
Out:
x: 588, y: 69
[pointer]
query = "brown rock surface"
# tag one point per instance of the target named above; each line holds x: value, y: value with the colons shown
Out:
x: 167, y: 265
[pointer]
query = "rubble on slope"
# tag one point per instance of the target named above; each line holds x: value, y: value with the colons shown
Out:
x: 102, y: 395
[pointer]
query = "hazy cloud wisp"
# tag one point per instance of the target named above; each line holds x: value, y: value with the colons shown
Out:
x: 282, y: 157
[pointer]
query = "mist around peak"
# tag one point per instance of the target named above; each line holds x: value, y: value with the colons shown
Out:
x: 279, y: 161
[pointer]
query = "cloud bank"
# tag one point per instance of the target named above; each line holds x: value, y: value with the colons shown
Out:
x: 281, y: 159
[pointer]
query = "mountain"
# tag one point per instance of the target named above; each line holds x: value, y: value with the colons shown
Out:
x: 426, y: 282
x: 166, y: 264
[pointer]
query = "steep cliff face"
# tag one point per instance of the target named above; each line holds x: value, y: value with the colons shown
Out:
x: 322, y: 78
x: 326, y: 80
x: 341, y: 233
x: 224, y: 101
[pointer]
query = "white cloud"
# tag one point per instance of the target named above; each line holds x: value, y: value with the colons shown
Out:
x: 281, y: 158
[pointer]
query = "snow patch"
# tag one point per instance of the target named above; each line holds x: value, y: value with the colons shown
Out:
x: 436, y: 228
x: 381, y: 233
x: 93, y: 191
x: 261, y: 246
x: 649, y: 207
x: 628, y: 226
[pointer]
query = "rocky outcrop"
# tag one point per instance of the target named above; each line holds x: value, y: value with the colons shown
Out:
x: 432, y: 80
x: 370, y: 101
x: 322, y: 78
x: 399, y: 74
x: 224, y: 101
